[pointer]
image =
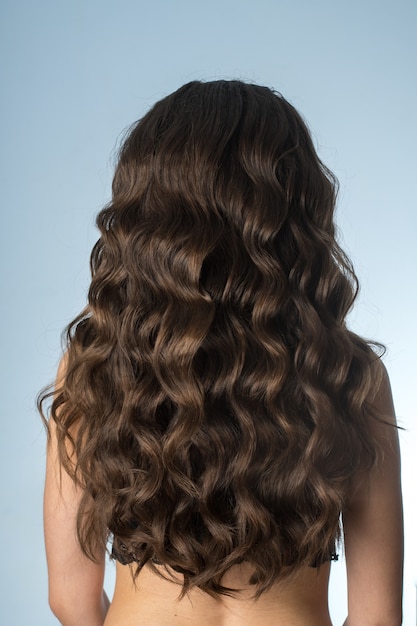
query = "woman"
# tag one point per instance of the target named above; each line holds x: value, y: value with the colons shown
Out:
x: 213, y: 414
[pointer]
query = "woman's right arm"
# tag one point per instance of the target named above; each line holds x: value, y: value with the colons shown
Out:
x: 76, y: 594
x: 373, y: 532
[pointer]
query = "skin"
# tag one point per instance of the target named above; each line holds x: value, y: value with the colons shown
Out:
x: 154, y: 601
x: 373, y: 529
x: 76, y: 593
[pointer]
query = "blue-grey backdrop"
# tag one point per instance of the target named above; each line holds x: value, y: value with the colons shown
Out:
x: 75, y: 75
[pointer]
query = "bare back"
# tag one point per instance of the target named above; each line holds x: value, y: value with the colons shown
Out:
x: 372, y: 530
x: 154, y: 601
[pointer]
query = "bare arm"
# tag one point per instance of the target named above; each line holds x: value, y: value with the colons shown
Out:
x: 373, y: 531
x: 76, y: 593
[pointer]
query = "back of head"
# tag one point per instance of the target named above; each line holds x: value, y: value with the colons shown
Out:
x: 227, y: 402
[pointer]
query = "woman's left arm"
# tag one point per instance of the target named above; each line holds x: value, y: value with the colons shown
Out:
x: 76, y: 594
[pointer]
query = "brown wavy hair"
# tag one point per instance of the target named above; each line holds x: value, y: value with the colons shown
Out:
x: 217, y: 404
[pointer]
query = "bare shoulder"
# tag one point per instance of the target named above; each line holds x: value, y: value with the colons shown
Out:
x: 75, y: 582
x: 62, y: 370
x: 373, y: 524
x: 383, y: 400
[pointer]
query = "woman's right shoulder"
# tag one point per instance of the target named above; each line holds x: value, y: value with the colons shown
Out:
x: 61, y: 370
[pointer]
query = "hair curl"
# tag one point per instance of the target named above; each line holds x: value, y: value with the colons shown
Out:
x: 217, y: 403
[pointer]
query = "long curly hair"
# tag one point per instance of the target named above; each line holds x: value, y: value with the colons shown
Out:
x: 216, y: 403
